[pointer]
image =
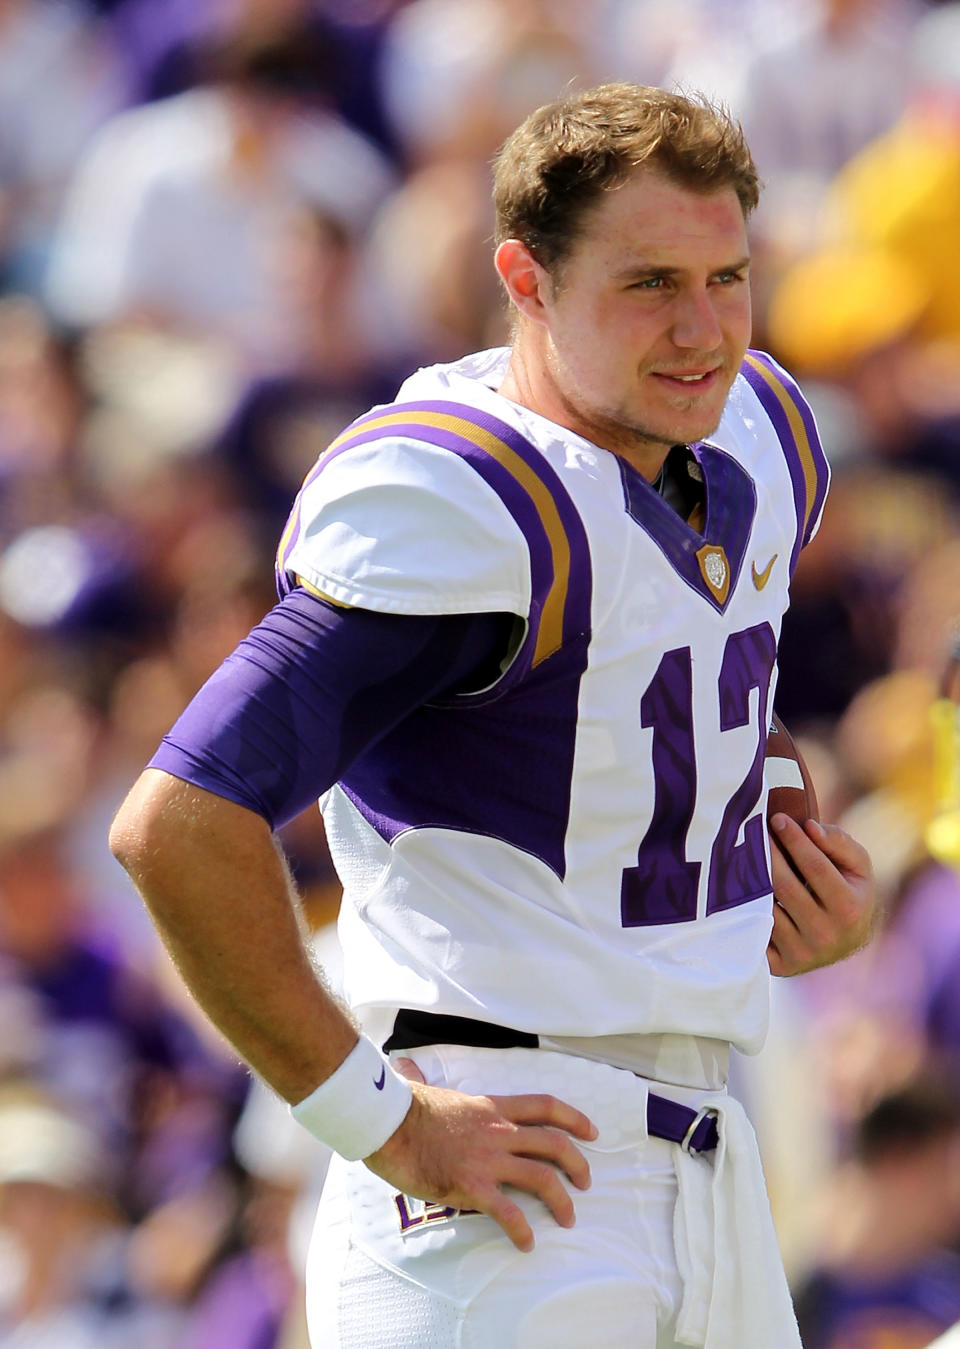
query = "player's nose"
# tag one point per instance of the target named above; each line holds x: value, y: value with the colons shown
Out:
x: 695, y: 324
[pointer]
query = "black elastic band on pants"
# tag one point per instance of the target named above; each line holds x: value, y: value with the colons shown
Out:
x: 413, y: 1029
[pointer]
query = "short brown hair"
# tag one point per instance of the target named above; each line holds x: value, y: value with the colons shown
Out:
x: 558, y: 162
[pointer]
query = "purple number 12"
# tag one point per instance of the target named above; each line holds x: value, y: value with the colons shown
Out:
x: 663, y: 886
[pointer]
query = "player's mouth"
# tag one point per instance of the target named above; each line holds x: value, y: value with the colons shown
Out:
x: 690, y: 381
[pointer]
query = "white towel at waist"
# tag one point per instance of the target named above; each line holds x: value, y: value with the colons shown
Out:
x: 735, y: 1293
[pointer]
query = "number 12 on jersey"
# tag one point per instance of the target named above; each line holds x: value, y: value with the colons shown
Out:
x: 663, y: 886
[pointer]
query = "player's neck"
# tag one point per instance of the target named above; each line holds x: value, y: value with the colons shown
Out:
x: 528, y: 381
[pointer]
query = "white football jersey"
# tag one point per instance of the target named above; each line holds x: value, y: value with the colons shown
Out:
x: 579, y: 849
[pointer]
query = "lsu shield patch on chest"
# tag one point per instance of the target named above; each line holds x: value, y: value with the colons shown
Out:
x: 715, y: 570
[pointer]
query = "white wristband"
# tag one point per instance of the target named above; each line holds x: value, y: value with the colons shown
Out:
x: 359, y: 1106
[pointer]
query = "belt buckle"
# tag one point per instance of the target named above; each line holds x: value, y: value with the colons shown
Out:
x: 703, y: 1113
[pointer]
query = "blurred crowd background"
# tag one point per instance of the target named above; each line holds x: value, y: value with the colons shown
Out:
x: 226, y: 228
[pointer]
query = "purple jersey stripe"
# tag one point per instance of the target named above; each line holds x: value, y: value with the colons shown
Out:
x: 817, y: 465
x: 797, y: 433
x: 524, y: 481
x: 514, y: 498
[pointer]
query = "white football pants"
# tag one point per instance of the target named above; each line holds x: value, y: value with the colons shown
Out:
x: 669, y: 1249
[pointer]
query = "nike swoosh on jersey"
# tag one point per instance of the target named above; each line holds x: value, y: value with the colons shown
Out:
x: 381, y: 1080
x: 760, y: 578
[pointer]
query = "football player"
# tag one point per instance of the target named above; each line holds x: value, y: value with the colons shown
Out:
x: 525, y: 654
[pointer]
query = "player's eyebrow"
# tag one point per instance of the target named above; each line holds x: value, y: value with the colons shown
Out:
x: 742, y: 266
x: 637, y: 270
x: 640, y: 270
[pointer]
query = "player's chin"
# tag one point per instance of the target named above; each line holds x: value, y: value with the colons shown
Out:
x: 687, y: 417
x: 687, y: 425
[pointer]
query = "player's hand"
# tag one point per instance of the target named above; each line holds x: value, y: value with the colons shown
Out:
x: 825, y: 913
x: 461, y: 1150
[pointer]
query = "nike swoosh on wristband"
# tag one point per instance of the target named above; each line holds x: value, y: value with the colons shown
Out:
x: 760, y: 578
x: 383, y: 1078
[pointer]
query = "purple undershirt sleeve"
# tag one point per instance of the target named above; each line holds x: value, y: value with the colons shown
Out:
x: 309, y: 689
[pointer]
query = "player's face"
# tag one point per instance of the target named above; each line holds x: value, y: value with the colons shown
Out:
x: 646, y: 331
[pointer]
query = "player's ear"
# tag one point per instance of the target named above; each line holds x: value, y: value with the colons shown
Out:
x: 527, y: 283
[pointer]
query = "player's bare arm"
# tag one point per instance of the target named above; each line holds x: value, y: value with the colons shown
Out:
x: 824, y: 913
x: 221, y: 898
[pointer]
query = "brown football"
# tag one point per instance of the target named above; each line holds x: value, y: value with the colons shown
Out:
x: 787, y: 776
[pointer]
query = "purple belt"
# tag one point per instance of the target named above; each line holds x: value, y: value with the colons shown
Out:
x: 694, y: 1130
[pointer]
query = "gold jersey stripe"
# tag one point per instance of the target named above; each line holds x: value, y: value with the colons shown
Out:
x: 550, y: 634
x: 322, y: 594
x: 800, y: 436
